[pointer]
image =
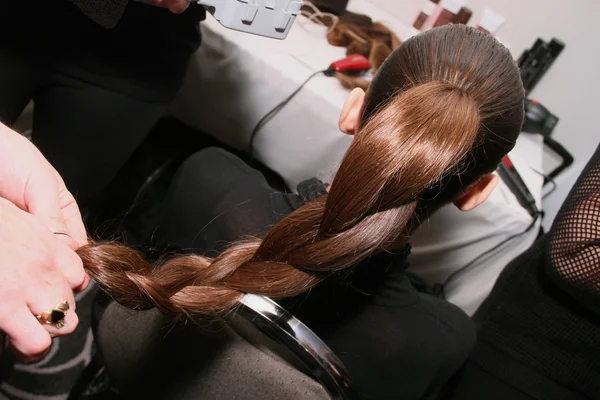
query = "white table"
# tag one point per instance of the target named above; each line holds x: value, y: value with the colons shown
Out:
x: 236, y: 78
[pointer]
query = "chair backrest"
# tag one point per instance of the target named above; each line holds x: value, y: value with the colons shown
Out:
x: 260, y: 352
x: 284, y: 328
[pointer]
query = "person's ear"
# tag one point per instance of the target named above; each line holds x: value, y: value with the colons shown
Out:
x: 478, y: 193
x: 350, y: 116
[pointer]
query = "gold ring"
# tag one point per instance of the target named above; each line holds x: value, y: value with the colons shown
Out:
x: 55, y: 316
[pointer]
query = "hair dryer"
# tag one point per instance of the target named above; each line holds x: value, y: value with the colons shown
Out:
x: 538, y: 119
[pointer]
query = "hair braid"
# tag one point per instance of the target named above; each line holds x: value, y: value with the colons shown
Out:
x: 189, y: 284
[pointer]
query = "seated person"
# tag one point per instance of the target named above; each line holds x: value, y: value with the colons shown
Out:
x: 539, y: 334
x: 438, y: 118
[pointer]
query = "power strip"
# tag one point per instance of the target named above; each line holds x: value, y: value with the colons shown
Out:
x: 269, y: 18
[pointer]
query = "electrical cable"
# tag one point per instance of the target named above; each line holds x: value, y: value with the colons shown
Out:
x: 549, y: 179
x: 439, y: 289
x: 317, y: 13
x: 268, y: 116
x: 549, y: 192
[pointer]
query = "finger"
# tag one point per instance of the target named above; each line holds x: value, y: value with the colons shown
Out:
x: 30, y: 359
x: 68, y: 263
x: 71, y: 216
x: 178, y: 6
x: 75, y: 227
x: 71, y: 323
x: 85, y: 284
x: 42, y: 201
x: 27, y: 336
x: 65, y: 238
x: 47, y: 295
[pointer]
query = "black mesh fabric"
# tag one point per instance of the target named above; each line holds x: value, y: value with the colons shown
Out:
x: 105, y: 13
x: 573, y: 251
x: 540, y: 327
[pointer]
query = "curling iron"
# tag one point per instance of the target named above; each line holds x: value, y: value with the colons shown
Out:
x: 269, y: 18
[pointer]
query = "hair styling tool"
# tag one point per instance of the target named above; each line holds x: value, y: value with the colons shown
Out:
x: 535, y: 62
x: 352, y: 63
x: 515, y: 183
x: 538, y: 119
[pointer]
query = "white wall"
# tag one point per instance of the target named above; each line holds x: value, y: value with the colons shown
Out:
x: 571, y: 88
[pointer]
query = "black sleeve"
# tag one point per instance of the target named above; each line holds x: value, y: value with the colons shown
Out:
x: 286, y: 202
x: 311, y: 189
x: 216, y: 199
x: 197, y: 11
x: 573, y: 246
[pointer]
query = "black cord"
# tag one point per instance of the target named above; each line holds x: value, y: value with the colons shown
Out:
x: 267, y: 117
x: 547, y: 178
x: 439, y: 289
x: 553, y: 182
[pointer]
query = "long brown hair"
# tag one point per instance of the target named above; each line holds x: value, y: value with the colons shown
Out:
x: 443, y: 110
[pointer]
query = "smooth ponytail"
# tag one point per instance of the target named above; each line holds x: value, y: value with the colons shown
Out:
x: 416, y: 143
x: 406, y: 148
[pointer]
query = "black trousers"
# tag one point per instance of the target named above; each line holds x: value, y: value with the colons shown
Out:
x: 96, y: 92
x: 86, y: 132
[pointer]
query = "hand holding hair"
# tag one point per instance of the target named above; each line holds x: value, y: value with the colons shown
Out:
x: 38, y: 269
x: 37, y: 273
x: 29, y: 181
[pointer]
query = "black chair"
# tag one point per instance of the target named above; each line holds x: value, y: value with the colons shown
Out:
x: 258, y: 352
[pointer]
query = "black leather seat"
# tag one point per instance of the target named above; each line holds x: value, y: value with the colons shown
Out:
x: 258, y: 352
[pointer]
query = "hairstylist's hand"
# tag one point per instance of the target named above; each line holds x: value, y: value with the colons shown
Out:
x: 29, y: 181
x: 31, y: 282
x: 175, y: 6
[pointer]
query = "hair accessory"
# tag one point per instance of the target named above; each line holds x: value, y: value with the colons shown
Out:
x: 56, y: 316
